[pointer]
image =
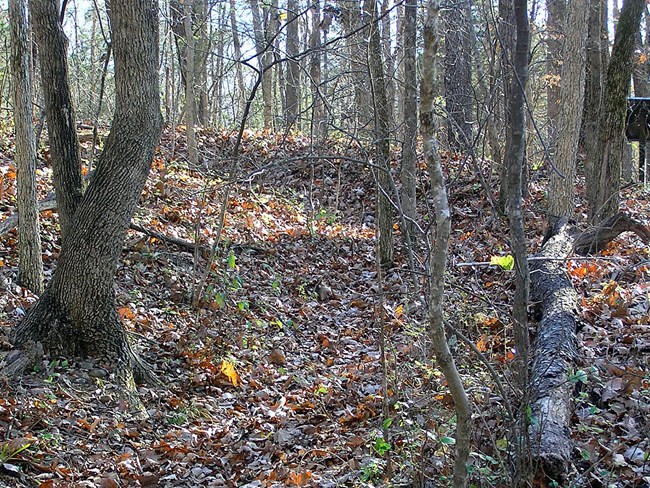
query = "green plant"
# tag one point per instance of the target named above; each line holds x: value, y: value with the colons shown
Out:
x: 372, y: 471
x: 9, y: 450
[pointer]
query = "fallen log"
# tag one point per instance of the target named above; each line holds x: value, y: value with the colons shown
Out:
x: 554, y: 354
x: 555, y: 349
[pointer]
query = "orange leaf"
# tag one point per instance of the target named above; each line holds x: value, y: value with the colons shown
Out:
x: 126, y: 313
x: 228, y: 370
x: 481, y: 345
x: 298, y: 479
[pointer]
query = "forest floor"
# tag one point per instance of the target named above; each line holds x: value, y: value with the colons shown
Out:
x: 275, y: 378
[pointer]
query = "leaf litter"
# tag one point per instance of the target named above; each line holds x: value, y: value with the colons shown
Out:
x: 275, y: 378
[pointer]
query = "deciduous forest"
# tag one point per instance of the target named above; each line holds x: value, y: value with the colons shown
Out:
x: 285, y: 243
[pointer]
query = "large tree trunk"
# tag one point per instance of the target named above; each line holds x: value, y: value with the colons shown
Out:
x: 458, y: 75
x: 64, y: 147
x: 30, y: 272
x: 555, y: 349
x: 77, y: 313
x: 555, y: 33
x: 190, y: 83
x: 604, y: 182
x: 506, y: 37
x: 562, y: 187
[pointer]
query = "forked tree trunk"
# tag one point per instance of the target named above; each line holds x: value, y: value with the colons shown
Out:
x: 30, y: 273
x: 64, y: 147
x: 77, y: 313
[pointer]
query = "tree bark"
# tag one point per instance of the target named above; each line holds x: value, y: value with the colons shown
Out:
x: 382, y: 142
x: 604, y: 183
x: 241, y: 88
x: 507, y: 38
x: 594, y: 87
x: 556, y: 11
x: 562, y: 188
x: 409, y: 156
x: 293, y: 69
x: 318, y: 113
x: 437, y: 258
x: 77, y: 314
x: 64, y: 147
x: 458, y: 75
x: 190, y: 82
x: 555, y: 352
x: 30, y: 269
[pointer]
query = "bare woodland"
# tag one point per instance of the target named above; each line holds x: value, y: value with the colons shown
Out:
x: 265, y: 243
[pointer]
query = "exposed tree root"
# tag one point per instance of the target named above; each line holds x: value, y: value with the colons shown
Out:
x: 45, y: 330
x: 596, y: 238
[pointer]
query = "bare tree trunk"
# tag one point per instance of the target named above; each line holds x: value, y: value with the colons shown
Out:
x: 440, y: 246
x: 30, y: 271
x: 318, y: 115
x: 241, y: 88
x: 190, y: 97
x: 293, y: 69
x: 61, y: 128
x: 506, y: 40
x: 264, y: 53
x: 514, y: 157
x: 458, y: 75
x: 555, y: 14
x: 77, y: 313
x: 562, y: 188
x: 382, y: 143
x: 603, y: 202
x: 409, y: 156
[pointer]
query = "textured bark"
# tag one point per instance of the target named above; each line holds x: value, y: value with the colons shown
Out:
x: 604, y: 184
x: 30, y: 270
x: 293, y: 68
x: 190, y: 81
x: 382, y: 141
x: 351, y: 18
x: 556, y: 11
x: 64, y: 147
x: 458, y: 75
x: 506, y: 38
x: 562, y: 188
x: 77, y: 313
x: 241, y: 95
x: 263, y: 36
x: 318, y: 114
x: 594, y: 88
x: 554, y: 355
x: 437, y: 258
x: 409, y: 156
x: 514, y: 157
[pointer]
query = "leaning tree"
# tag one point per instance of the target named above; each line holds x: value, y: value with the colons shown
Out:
x: 77, y: 314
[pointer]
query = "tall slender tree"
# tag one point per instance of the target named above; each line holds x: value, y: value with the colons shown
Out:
x: 410, y: 114
x: 30, y: 272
